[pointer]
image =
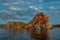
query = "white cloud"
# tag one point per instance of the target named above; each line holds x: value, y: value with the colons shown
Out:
x: 41, y: 0
x: 52, y: 7
x: 33, y: 7
x: 40, y: 8
x: 19, y: 2
x: 36, y: 8
x: 15, y: 2
x: 7, y: 5
x: 26, y: 16
x: 14, y: 8
x: 27, y: 2
x: 5, y: 11
x: 22, y: 1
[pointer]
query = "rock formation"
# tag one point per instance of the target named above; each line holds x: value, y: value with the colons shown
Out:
x: 14, y: 26
x: 39, y: 21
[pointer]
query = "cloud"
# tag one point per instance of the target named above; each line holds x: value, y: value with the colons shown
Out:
x: 33, y: 7
x: 5, y: 15
x: 5, y: 12
x: 36, y: 8
x: 26, y: 9
x: 14, y: 8
x: 5, y: 4
x: 20, y: 3
x: 53, y: 16
x: 40, y: 8
x: 25, y: 18
x: 52, y: 7
x: 17, y: 16
x: 15, y: 3
x: 41, y: 0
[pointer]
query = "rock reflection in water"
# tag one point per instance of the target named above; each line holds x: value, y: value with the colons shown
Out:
x: 32, y: 34
x: 43, y: 34
x: 20, y: 35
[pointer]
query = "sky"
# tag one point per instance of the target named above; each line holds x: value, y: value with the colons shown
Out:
x: 25, y: 10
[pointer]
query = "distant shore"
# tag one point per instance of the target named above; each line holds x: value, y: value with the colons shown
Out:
x: 54, y: 26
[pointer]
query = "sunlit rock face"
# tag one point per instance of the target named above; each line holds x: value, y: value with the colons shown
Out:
x: 14, y: 26
x: 39, y: 21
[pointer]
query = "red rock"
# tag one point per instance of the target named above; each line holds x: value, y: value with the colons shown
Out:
x: 40, y: 20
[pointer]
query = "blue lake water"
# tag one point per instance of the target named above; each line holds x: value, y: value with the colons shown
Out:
x: 53, y: 34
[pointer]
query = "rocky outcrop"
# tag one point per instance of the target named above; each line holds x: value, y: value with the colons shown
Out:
x: 39, y: 21
x: 14, y: 26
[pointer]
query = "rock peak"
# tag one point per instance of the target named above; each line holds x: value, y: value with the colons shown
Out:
x: 40, y: 20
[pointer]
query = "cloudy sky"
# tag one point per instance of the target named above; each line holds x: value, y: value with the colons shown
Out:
x: 25, y: 10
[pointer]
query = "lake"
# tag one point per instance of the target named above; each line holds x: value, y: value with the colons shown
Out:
x: 50, y: 34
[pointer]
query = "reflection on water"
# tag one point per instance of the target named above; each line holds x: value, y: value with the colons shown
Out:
x: 43, y: 34
x: 50, y: 34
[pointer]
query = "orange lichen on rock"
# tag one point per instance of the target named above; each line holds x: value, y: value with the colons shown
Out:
x: 40, y: 20
x: 14, y: 26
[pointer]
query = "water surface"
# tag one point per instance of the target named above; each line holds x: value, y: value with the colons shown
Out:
x: 51, y: 34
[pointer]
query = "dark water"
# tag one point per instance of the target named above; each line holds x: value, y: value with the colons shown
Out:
x: 50, y: 34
